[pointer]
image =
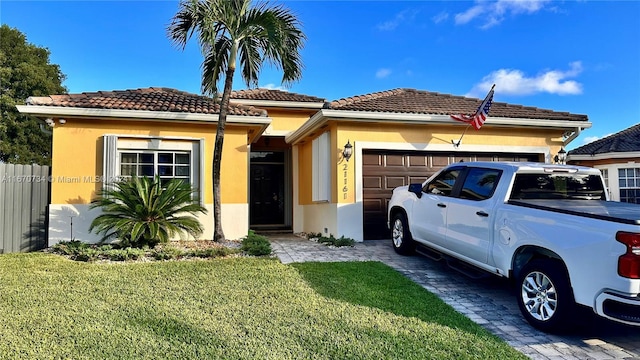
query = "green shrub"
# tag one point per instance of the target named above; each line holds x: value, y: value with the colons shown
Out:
x: 331, y: 240
x: 344, y: 241
x: 255, y: 245
x: 212, y: 252
x: 87, y: 254
x: 144, y: 212
x: 167, y: 253
x: 122, y: 254
x: 69, y: 247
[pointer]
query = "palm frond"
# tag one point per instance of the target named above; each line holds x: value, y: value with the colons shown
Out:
x: 140, y: 211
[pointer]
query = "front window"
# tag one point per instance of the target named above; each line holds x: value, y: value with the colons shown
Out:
x: 480, y: 184
x: 166, y: 164
x: 443, y: 183
x: 629, y: 181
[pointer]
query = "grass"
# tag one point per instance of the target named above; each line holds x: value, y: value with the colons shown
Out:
x: 239, y: 308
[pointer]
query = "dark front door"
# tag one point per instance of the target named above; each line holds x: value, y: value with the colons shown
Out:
x: 267, y: 192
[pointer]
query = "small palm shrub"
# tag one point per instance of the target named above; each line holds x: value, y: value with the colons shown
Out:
x: 142, y: 212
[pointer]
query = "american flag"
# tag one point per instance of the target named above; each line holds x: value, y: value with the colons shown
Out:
x: 478, y: 119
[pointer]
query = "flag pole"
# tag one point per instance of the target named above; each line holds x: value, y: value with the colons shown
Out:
x: 456, y: 144
x: 481, y: 109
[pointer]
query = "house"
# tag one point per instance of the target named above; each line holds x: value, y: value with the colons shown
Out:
x: 618, y: 158
x: 285, y: 164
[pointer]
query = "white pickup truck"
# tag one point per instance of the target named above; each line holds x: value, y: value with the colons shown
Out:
x: 548, y: 227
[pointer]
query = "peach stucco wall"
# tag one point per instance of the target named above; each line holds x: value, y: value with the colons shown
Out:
x: 78, y: 147
x: 343, y: 173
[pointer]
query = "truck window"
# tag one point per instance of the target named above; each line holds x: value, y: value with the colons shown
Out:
x: 443, y: 183
x: 480, y: 184
x: 558, y: 186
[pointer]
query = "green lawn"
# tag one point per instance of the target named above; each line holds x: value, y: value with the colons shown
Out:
x: 242, y: 308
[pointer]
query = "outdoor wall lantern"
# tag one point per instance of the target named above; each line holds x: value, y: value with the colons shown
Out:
x: 561, y: 158
x: 348, y: 151
x: 49, y: 121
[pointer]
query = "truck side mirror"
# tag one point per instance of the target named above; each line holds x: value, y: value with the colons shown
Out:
x: 416, y: 189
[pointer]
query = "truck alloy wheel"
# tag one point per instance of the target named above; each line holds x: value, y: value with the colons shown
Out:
x: 545, y: 298
x: 400, y: 236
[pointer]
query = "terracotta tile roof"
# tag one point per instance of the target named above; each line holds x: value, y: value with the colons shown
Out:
x: 273, y: 95
x: 426, y: 102
x: 627, y: 140
x: 150, y: 99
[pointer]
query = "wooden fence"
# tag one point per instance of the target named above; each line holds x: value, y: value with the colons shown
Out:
x: 24, y: 197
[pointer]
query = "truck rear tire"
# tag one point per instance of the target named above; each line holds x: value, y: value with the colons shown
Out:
x: 545, y: 297
x: 401, y: 236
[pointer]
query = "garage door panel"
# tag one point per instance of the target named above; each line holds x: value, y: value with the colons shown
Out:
x: 418, y: 179
x: 372, y: 182
x: 419, y: 161
x: 395, y: 160
x: 395, y: 181
x: 439, y: 161
x: 373, y: 205
x: 385, y: 170
x: 371, y: 159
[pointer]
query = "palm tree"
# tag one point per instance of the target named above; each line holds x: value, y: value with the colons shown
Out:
x: 229, y: 30
x: 143, y: 211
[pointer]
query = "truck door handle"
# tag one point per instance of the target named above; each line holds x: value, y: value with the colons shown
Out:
x: 442, y: 205
x: 482, y: 213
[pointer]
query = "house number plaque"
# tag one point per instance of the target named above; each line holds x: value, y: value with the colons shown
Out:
x: 345, y: 189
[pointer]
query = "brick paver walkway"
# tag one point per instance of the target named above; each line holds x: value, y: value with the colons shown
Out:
x: 490, y: 302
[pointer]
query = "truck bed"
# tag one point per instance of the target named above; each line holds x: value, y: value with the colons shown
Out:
x: 605, y: 210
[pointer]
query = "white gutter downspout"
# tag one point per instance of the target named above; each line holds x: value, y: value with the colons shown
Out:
x: 573, y: 136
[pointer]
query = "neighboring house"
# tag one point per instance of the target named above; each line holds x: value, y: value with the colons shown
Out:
x: 618, y: 158
x: 283, y: 165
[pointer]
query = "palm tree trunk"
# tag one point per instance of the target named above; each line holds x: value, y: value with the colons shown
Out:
x: 218, y: 234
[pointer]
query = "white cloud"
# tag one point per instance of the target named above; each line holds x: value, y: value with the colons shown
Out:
x: 443, y: 16
x: 491, y: 14
x: 399, y: 18
x: 383, y: 73
x: 515, y: 82
x: 590, y: 139
x: 273, y: 87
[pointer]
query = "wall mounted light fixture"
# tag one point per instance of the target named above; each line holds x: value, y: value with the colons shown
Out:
x: 561, y: 158
x: 347, y: 151
x: 49, y: 121
x: 62, y: 121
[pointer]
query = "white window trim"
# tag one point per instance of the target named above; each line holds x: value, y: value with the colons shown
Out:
x: 114, y: 144
x: 321, y: 168
x: 614, y: 183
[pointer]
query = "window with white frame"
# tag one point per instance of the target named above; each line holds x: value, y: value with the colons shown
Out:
x: 166, y: 164
x: 605, y: 177
x: 629, y: 183
x: 321, y: 168
x: 168, y: 158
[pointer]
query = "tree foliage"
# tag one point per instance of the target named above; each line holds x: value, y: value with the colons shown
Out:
x: 232, y: 32
x: 24, y: 71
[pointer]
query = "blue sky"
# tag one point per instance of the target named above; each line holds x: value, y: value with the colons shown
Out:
x: 581, y: 57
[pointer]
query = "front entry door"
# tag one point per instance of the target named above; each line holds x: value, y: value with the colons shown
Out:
x: 268, y: 195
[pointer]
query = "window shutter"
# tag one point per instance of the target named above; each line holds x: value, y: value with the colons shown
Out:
x: 109, y: 160
x: 321, y: 168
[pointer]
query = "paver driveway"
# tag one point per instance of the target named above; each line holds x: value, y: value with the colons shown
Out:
x: 490, y: 302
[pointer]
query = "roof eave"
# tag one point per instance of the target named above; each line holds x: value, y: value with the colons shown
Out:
x: 279, y: 104
x: 145, y: 115
x: 604, y: 156
x: 324, y: 115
